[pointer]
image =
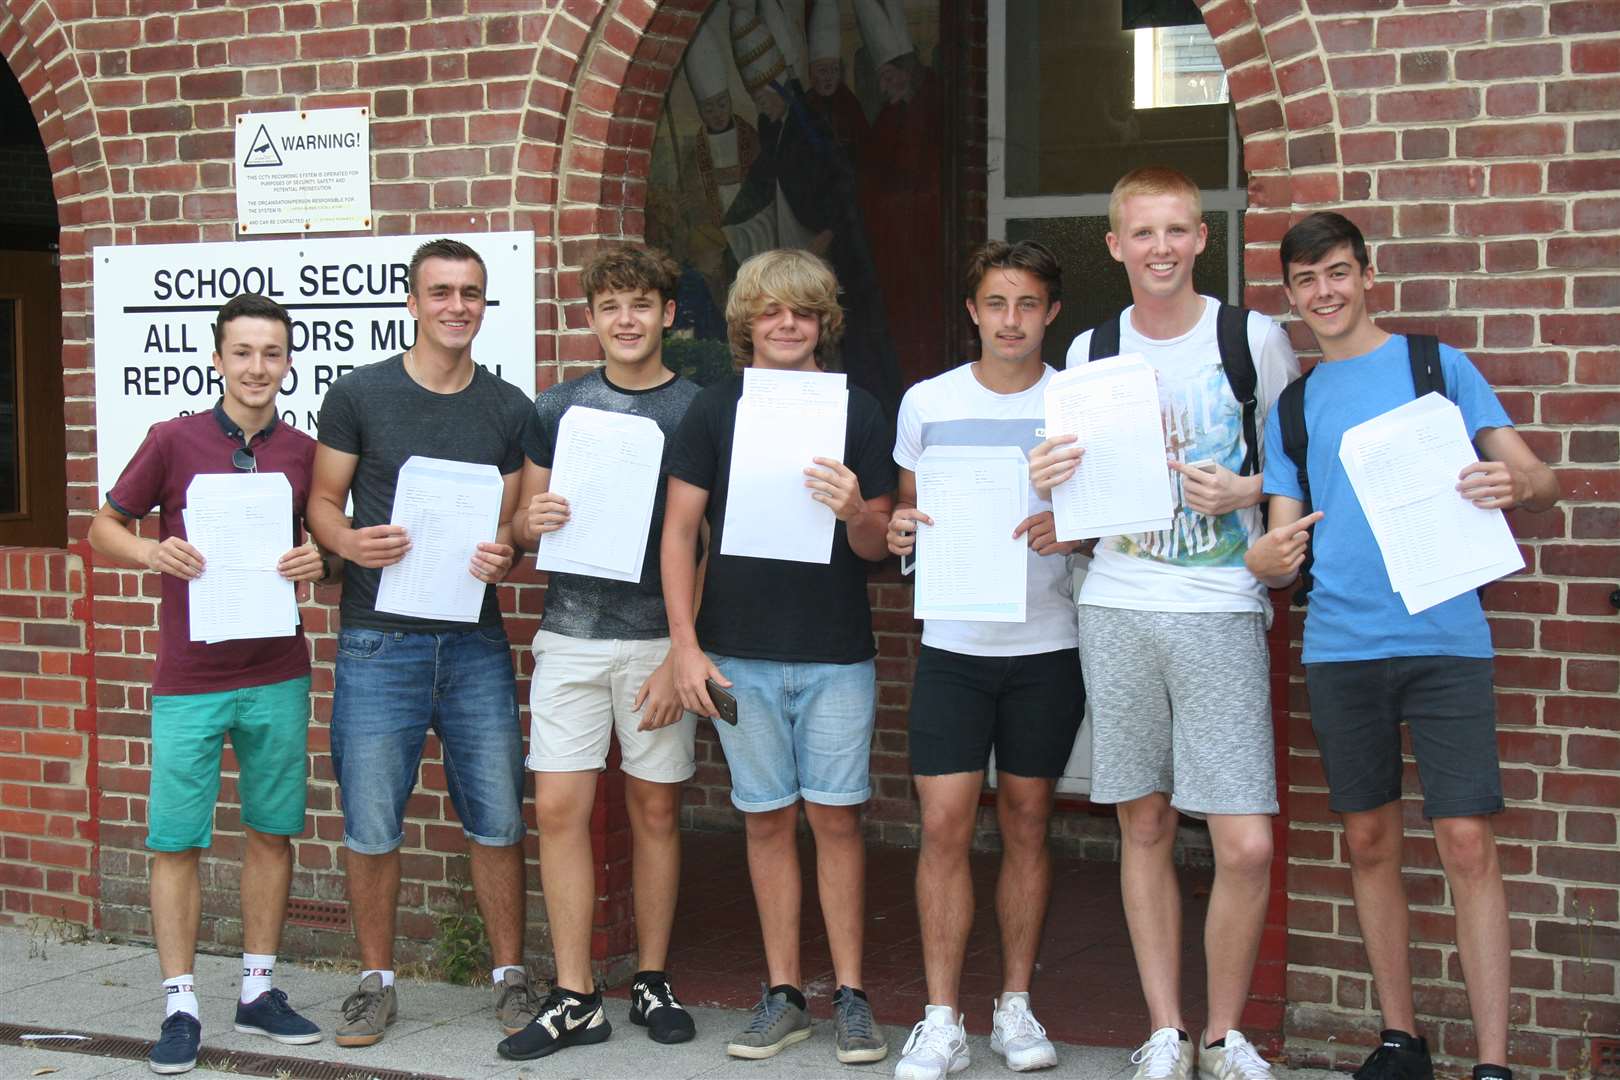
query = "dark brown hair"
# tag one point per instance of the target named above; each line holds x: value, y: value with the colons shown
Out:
x: 445, y: 248
x: 1029, y: 256
x: 625, y: 267
x: 1316, y: 234
x: 250, y: 306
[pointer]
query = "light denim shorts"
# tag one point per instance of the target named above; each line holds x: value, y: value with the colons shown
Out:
x: 804, y: 731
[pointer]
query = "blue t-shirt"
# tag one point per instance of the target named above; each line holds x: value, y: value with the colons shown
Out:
x: 1354, y: 612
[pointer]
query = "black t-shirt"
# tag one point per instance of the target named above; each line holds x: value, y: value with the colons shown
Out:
x: 773, y: 609
x: 591, y: 607
x: 382, y: 415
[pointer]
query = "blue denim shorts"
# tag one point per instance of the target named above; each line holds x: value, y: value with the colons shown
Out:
x: 392, y: 689
x: 804, y: 731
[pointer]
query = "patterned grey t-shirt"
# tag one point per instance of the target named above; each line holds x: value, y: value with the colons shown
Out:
x: 592, y: 607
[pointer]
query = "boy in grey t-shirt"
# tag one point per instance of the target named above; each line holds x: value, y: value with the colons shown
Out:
x: 601, y: 668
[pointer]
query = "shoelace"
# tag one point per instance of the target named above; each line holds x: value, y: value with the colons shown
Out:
x: 277, y: 1000
x: 1380, y: 1064
x: 765, y: 1015
x: 174, y: 1027
x: 657, y: 995
x: 1160, y: 1052
x: 938, y: 1038
x: 857, y: 1020
x: 530, y: 1000
x: 1243, y: 1057
x: 362, y: 1003
x: 1020, y: 1024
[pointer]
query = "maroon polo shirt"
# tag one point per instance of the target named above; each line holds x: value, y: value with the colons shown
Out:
x: 157, y: 476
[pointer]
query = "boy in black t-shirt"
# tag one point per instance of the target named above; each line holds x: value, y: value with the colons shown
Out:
x: 601, y: 669
x: 792, y: 641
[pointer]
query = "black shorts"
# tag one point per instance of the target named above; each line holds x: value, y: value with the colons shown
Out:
x: 1449, y: 706
x: 1028, y: 708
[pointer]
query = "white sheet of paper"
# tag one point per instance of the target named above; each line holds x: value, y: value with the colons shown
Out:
x: 1123, y: 483
x: 969, y: 566
x: 447, y: 508
x: 1403, y: 466
x: 242, y: 524
x: 607, y: 465
x: 784, y: 420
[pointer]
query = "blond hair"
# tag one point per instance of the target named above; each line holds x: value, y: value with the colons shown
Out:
x: 1153, y: 180
x: 791, y: 277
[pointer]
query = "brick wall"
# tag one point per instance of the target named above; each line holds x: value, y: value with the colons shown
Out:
x: 1473, y: 139
x: 1475, y: 144
x: 47, y: 768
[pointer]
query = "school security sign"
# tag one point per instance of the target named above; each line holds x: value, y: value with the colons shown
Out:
x: 303, y: 172
x: 155, y: 307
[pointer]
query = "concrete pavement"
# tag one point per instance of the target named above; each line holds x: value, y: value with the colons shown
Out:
x: 443, y: 1031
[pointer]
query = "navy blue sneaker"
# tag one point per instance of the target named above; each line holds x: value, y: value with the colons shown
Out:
x: 176, y: 1049
x: 270, y: 1015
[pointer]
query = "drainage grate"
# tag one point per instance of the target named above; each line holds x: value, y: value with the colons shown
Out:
x: 231, y: 1061
x: 1606, y: 1057
x: 321, y: 914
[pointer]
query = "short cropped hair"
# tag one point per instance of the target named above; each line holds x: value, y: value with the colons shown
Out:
x: 625, y: 267
x: 791, y: 277
x: 1153, y: 180
x: 445, y: 248
x: 1029, y: 256
x: 1314, y: 235
x: 250, y: 306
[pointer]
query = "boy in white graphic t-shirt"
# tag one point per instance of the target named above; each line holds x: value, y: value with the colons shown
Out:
x: 1173, y: 628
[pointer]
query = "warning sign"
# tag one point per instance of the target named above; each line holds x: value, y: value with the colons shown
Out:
x: 263, y: 150
x: 303, y: 172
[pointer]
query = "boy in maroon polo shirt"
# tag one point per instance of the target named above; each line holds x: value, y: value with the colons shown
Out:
x: 255, y: 690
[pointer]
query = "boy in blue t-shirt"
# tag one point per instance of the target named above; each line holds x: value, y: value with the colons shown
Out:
x: 1369, y: 665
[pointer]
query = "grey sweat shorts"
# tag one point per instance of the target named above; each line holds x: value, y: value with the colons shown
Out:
x: 1180, y: 704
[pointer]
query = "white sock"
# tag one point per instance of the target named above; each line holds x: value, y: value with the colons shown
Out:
x: 499, y: 973
x: 387, y: 976
x: 258, y: 972
x: 1001, y: 1002
x: 180, y: 995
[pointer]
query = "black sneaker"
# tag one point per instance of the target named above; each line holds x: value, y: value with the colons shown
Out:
x: 653, y: 1006
x: 270, y: 1015
x: 1399, y: 1057
x: 564, y: 1020
x: 176, y: 1049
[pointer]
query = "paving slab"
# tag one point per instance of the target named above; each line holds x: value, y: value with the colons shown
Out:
x: 445, y: 1031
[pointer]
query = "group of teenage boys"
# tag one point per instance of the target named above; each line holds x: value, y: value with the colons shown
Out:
x: 1163, y: 633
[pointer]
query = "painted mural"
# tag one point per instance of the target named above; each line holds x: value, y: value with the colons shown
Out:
x: 815, y: 124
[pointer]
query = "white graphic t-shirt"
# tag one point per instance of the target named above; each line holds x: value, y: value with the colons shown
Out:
x: 954, y: 409
x: 1197, y: 563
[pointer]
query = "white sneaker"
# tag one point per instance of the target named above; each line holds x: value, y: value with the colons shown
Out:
x: 1016, y: 1035
x: 1165, y: 1056
x: 936, y: 1048
x: 1237, y: 1060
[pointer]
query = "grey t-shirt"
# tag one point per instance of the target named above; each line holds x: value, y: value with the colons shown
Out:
x: 592, y: 607
x: 383, y: 416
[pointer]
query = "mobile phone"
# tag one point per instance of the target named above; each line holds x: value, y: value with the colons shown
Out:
x: 725, y: 702
x: 1206, y: 465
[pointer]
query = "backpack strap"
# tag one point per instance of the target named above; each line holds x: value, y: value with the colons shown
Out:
x: 1104, y: 340
x: 1423, y: 353
x: 1237, y: 358
x: 1296, y: 444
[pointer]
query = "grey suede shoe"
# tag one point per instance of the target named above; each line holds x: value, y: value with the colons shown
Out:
x: 859, y: 1038
x: 367, y: 1013
x: 514, y: 1001
x: 775, y: 1024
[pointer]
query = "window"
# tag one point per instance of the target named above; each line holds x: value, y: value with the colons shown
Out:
x: 1075, y: 101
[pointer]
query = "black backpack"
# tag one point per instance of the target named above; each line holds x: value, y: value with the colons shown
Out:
x: 1232, y: 335
x: 1422, y: 351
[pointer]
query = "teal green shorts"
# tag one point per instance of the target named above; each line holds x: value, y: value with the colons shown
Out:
x: 269, y: 730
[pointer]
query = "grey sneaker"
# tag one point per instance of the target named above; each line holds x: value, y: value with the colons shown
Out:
x: 859, y: 1037
x: 514, y: 1001
x: 775, y: 1024
x: 367, y: 1013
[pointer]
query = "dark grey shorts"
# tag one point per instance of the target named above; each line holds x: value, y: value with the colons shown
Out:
x: 1447, y: 704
